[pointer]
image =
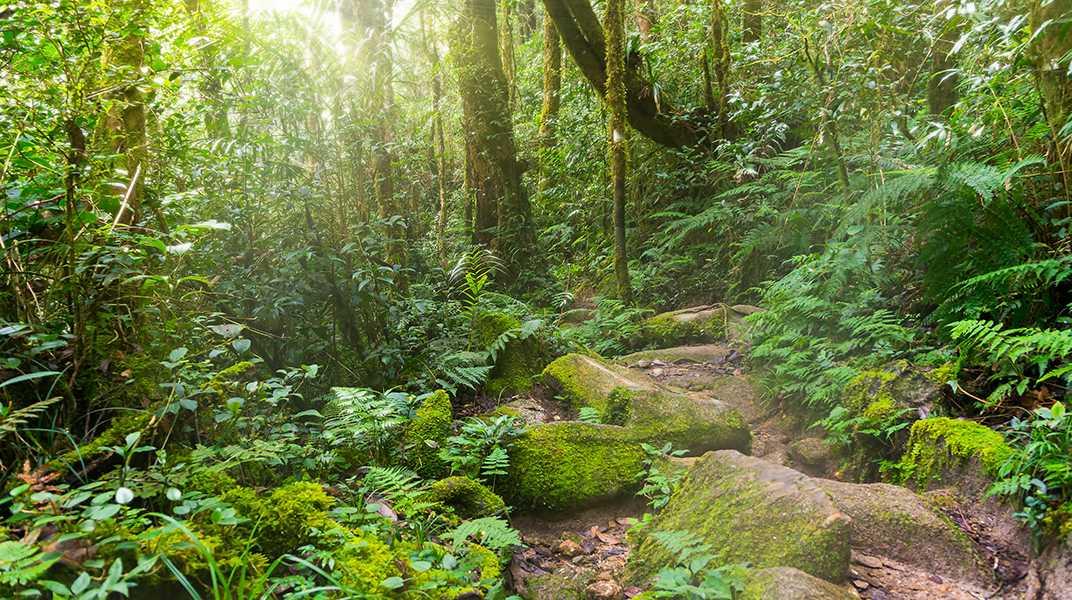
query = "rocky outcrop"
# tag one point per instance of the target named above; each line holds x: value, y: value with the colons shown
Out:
x: 752, y: 511
x: 655, y: 414
x: 571, y: 464
x: 700, y: 324
x: 1055, y: 572
x: 894, y: 522
x: 783, y: 583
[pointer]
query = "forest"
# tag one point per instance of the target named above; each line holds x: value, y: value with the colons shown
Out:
x: 541, y: 300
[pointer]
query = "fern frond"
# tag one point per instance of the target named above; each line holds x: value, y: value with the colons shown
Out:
x: 493, y: 533
x: 10, y: 421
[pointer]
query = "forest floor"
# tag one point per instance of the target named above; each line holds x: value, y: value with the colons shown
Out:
x: 592, y: 544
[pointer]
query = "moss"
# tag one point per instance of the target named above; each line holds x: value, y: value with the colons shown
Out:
x: 487, y: 562
x: 226, y: 381
x: 619, y: 407
x: 674, y: 329
x: 427, y: 433
x: 560, y: 465
x: 467, y: 497
x: 285, y: 520
x: 115, y: 435
x: 866, y: 388
x: 736, y: 510
x: 658, y: 415
x: 365, y: 562
x: 517, y: 363
x: 555, y: 587
x: 940, y: 444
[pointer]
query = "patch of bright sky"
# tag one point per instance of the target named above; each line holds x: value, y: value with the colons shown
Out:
x: 400, y: 9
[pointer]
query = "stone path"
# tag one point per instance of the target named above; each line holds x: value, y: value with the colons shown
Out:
x: 588, y: 549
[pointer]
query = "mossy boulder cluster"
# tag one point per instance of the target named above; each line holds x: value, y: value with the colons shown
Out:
x: 570, y: 464
x: 697, y: 325
x: 658, y: 414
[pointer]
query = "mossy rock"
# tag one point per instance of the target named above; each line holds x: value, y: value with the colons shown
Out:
x: 697, y: 325
x: 469, y: 498
x: 658, y: 413
x: 951, y: 453
x: 785, y: 583
x: 894, y: 522
x: 427, y: 433
x: 517, y: 364
x: 897, y: 394
x: 751, y: 511
x: 560, y: 585
x: 572, y: 464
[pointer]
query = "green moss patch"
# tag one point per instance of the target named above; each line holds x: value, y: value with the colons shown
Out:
x: 470, y: 499
x: 517, y: 364
x: 427, y: 433
x: 939, y: 445
x: 700, y: 325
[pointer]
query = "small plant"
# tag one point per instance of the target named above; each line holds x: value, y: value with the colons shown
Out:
x: 1039, y: 472
x: 612, y: 330
x: 480, y: 452
x: 693, y: 578
x: 658, y: 486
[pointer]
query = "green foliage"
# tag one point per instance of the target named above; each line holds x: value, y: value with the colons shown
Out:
x: 694, y: 578
x: 1038, y: 473
x: 659, y: 486
x: 368, y: 421
x: 480, y: 452
x: 1020, y: 357
x: 493, y: 533
x: 612, y: 330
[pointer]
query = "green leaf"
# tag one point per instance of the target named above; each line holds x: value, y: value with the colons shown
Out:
x: 28, y: 377
x: 177, y: 354
x: 81, y: 583
x: 241, y: 345
x: 393, y: 583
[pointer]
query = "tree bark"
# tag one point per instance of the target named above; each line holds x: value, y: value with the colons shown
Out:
x: 615, y: 35
x: 503, y: 214
x: 432, y: 52
x: 942, y: 85
x: 582, y: 37
x: 122, y: 128
x: 720, y: 52
x: 752, y: 21
x: 552, y: 99
x: 646, y: 18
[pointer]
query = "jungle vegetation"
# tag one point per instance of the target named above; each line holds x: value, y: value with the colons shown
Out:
x: 242, y: 248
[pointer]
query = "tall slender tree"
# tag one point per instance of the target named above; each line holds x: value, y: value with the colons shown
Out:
x: 552, y: 98
x: 614, y: 27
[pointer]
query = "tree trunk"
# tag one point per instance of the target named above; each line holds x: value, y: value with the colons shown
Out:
x: 432, y: 51
x: 582, y: 37
x: 615, y: 34
x: 752, y: 21
x: 720, y: 52
x: 552, y: 99
x: 493, y: 173
x: 506, y: 31
x: 122, y: 128
x: 646, y: 18
x: 942, y: 85
x: 1052, y: 43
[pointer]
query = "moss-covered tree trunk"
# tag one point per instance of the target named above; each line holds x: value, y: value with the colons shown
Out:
x: 942, y: 85
x: 752, y: 21
x: 552, y: 99
x: 720, y: 53
x: 122, y: 128
x: 506, y: 39
x: 614, y: 27
x: 503, y: 215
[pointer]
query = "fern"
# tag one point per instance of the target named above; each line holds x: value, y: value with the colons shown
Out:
x: 1027, y: 355
x: 493, y: 533
x: 391, y: 481
x: 10, y: 420
x: 21, y: 564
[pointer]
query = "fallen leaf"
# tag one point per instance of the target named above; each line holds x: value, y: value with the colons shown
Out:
x: 607, y: 539
x: 128, y: 374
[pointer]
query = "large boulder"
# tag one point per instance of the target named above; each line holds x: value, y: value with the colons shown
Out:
x: 571, y: 464
x: 751, y: 511
x: 894, y: 522
x: 784, y: 583
x: 700, y: 324
x: 655, y: 414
